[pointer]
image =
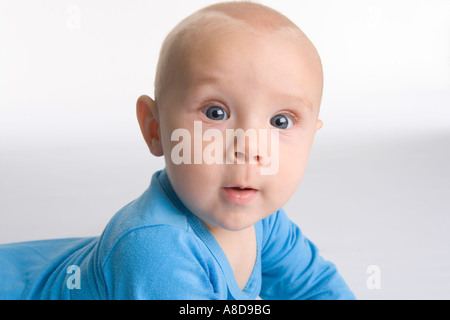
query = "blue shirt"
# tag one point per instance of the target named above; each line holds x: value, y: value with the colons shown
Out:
x: 154, y: 248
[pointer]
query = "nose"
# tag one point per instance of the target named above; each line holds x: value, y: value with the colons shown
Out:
x: 242, y: 157
x: 242, y: 147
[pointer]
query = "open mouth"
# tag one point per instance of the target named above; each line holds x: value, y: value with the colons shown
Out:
x: 241, y: 189
x: 239, y: 195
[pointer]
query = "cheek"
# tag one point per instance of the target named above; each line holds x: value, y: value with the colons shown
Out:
x: 183, y: 183
x: 289, y: 178
x: 193, y: 183
x: 185, y: 177
x: 293, y: 160
x: 176, y: 137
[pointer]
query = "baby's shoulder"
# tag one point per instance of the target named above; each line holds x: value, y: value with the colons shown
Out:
x: 137, y: 225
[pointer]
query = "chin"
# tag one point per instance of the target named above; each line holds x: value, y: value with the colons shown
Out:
x: 236, y: 223
x: 236, y: 227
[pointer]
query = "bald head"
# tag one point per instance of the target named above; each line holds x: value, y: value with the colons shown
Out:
x: 253, y: 15
x: 217, y: 20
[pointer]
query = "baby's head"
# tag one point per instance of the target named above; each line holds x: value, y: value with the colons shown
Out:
x: 234, y: 68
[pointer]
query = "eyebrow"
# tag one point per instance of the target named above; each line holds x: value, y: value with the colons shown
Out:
x: 294, y: 99
x: 207, y: 79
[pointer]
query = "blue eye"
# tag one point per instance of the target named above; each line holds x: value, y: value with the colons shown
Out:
x: 216, y: 113
x: 281, y: 121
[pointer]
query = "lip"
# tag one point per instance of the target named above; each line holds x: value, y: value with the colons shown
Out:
x: 239, y: 195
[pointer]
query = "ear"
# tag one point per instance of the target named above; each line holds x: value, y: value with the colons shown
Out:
x: 319, y: 124
x: 147, y: 117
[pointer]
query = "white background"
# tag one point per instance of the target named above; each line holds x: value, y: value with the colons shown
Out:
x: 376, y: 190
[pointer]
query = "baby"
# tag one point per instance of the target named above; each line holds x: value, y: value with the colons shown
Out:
x: 237, y: 94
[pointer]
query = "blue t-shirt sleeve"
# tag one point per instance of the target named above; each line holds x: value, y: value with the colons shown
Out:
x: 292, y: 267
x: 158, y: 262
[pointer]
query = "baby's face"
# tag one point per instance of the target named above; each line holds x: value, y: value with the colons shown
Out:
x: 249, y: 81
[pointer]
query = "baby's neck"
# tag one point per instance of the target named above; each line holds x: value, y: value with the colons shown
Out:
x: 240, y: 250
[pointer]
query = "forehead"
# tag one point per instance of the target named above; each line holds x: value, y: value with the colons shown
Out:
x: 274, y: 62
